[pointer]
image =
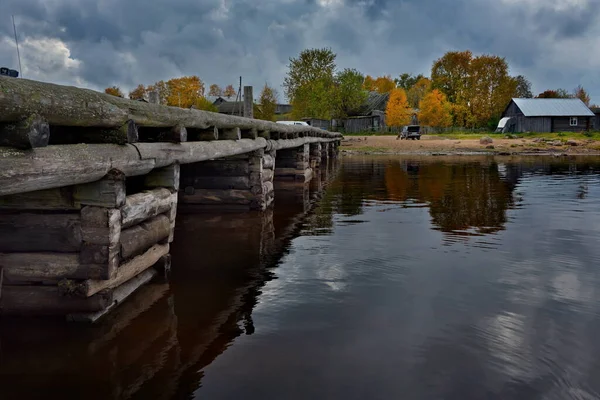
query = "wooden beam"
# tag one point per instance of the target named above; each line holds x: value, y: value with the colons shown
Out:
x: 142, y: 206
x: 100, y: 225
x: 216, y: 196
x: 26, y: 232
x: 267, y: 175
x: 231, y: 134
x: 59, y: 199
x: 166, y: 177
x: 48, y: 300
x: 125, y: 272
x: 43, y: 267
x: 268, y: 162
x: 28, y: 133
x: 211, y: 133
x: 119, y: 294
x: 143, y: 236
x: 108, y: 192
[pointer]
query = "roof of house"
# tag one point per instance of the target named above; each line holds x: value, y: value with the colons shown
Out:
x: 553, y: 108
x: 231, y: 107
x: 375, y: 102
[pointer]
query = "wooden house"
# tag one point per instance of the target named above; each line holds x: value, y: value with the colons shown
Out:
x: 547, y: 115
x: 596, y: 111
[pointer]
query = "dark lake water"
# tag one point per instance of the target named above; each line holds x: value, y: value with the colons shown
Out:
x: 406, y: 278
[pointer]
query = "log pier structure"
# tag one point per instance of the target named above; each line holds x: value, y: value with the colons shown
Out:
x: 91, y: 184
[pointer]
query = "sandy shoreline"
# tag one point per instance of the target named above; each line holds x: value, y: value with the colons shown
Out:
x: 440, y: 146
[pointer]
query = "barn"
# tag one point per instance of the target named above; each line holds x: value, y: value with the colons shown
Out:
x: 546, y: 115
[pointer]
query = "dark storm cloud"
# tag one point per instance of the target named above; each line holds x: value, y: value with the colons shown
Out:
x: 98, y: 43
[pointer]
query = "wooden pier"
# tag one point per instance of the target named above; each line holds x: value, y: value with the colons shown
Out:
x: 90, y: 186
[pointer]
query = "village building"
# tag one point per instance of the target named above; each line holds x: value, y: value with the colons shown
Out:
x: 546, y: 115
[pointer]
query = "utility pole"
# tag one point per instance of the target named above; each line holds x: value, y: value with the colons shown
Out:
x: 17, y: 43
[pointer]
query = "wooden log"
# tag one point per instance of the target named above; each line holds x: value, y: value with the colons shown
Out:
x: 104, y: 255
x: 27, y: 232
x: 100, y: 225
x: 108, y: 192
x: 119, y: 294
x: 48, y: 300
x: 166, y: 177
x: 264, y: 134
x: 211, y: 133
x: 268, y: 162
x: 28, y: 133
x: 50, y: 199
x: 43, y: 267
x: 251, y: 133
x: 208, y: 196
x: 137, y: 239
x: 125, y: 272
x: 173, y: 215
x: 267, y: 175
x: 231, y: 134
x: 179, y: 134
x: 222, y: 182
x: 223, y: 167
x: 69, y: 106
x: 142, y: 206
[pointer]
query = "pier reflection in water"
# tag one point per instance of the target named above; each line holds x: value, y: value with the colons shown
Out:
x: 408, y: 277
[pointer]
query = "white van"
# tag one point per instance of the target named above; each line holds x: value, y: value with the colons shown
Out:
x: 293, y: 123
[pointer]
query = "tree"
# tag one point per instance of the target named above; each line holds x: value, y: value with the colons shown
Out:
x: 369, y: 84
x: 384, y: 84
x: 113, y: 91
x: 229, y: 91
x: 398, y: 112
x: 215, y: 90
x: 581, y: 94
x: 184, y: 91
x: 310, y: 84
x: 267, y: 104
x: 138, y: 93
x: 417, y: 91
x: 350, y: 92
x: 202, y: 103
x: 162, y: 89
x: 451, y: 75
x: 554, y: 94
x: 523, y: 88
x: 435, y: 110
x: 406, y: 81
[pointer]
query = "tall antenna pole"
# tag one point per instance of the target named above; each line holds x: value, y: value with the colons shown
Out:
x: 17, y: 42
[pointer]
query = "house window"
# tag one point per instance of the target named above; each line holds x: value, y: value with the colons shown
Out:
x: 573, y: 121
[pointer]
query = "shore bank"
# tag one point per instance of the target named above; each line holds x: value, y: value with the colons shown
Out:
x: 435, y: 145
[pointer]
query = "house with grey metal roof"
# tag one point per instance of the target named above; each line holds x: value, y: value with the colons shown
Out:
x: 547, y: 115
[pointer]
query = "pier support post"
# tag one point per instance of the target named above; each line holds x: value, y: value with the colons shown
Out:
x: 294, y: 164
x: 315, y: 155
x: 243, y: 182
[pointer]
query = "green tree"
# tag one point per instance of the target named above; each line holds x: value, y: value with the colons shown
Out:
x: 202, y: 103
x: 350, y: 92
x: 416, y: 93
x: 267, y: 104
x: 310, y: 84
x: 451, y: 74
x: 554, y: 94
x: 406, y: 81
x: 523, y: 88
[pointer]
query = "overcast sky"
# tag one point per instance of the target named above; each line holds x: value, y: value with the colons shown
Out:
x: 100, y: 43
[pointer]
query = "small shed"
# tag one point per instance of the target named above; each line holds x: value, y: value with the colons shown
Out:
x: 596, y: 111
x: 548, y: 115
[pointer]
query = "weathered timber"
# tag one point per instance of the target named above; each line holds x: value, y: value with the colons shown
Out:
x: 178, y: 134
x: 100, y: 225
x: 25, y: 232
x: 221, y: 182
x: 249, y: 133
x: 49, y: 199
x: 118, y: 295
x: 107, y: 192
x: 142, y: 206
x: 267, y: 175
x: 282, y: 144
x: 125, y: 271
x: 28, y: 133
x: 205, y: 134
x: 231, y: 134
x: 268, y: 161
x: 173, y: 215
x: 143, y: 236
x: 69, y: 106
x: 48, y: 300
x: 248, y: 102
x: 41, y: 267
x: 264, y: 134
x: 166, y: 177
x: 221, y: 167
x: 57, y: 166
x: 208, y: 196
x: 100, y: 254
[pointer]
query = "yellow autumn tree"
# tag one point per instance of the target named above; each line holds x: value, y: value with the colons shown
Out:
x: 435, y: 110
x: 184, y: 91
x: 384, y: 84
x: 138, y: 93
x: 229, y: 91
x: 113, y: 91
x: 398, y: 112
x: 369, y: 83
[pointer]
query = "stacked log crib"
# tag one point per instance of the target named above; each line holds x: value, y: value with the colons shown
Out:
x: 79, y: 251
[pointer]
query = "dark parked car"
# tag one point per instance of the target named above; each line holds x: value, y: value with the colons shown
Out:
x: 410, y: 132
